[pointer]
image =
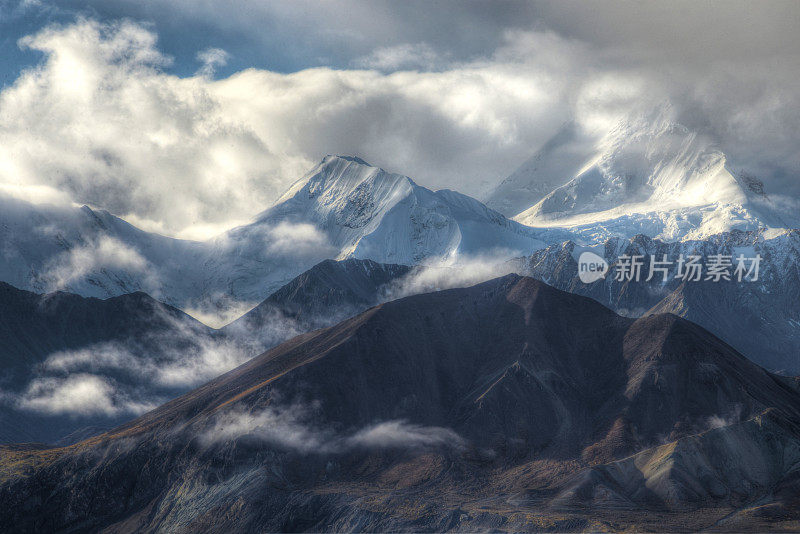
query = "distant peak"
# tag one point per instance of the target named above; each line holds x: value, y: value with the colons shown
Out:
x: 354, y: 159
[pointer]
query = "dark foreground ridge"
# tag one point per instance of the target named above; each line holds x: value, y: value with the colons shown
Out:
x: 34, y: 326
x: 139, y: 329
x: 508, y: 405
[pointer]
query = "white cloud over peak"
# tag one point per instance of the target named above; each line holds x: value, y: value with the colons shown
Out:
x: 105, y: 253
x: 100, y: 120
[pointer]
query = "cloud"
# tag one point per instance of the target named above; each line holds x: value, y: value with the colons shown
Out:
x: 134, y: 375
x: 211, y: 58
x: 102, y: 121
x: 79, y: 394
x: 287, y: 427
x: 392, y: 434
x: 300, y: 241
x: 35, y: 194
x: 274, y: 326
x: 464, y: 272
x: 179, y: 356
x: 403, y: 56
x: 293, y: 427
x: 75, y: 264
x: 721, y: 421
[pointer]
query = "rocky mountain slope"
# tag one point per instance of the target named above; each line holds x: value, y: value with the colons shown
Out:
x: 759, y: 318
x: 70, y: 364
x: 326, y: 294
x: 506, y: 405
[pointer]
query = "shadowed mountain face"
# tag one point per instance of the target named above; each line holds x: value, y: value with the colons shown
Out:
x: 506, y: 405
x: 34, y: 326
x: 329, y: 292
x: 43, y: 336
x: 70, y: 364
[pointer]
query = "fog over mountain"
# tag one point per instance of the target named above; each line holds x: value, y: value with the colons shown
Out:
x: 342, y: 208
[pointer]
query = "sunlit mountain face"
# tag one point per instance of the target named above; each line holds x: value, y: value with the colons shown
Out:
x: 277, y: 268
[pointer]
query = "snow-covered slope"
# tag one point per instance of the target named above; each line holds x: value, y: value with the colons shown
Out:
x: 366, y: 212
x: 655, y: 177
x: 561, y: 158
x: 92, y: 253
x: 346, y: 208
x: 759, y: 318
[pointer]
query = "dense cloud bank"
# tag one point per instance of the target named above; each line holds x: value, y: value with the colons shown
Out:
x: 102, y: 119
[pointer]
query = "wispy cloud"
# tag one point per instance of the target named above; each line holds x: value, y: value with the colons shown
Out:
x: 211, y: 58
x: 460, y: 272
x: 131, y: 376
x: 76, y: 264
x: 177, y: 356
x: 81, y: 394
x: 299, y: 241
x: 402, y: 56
x: 401, y: 434
x: 293, y: 427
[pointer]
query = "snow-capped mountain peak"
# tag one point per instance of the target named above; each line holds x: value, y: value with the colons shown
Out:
x: 558, y: 160
x: 345, y: 189
x: 343, y: 208
x: 654, y: 176
x: 367, y: 212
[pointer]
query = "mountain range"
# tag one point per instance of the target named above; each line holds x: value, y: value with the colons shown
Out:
x: 74, y: 366
x: 508, y: 405
x: 760, y: 318
x: 344, y: 208
x: 650, y: 176
x: 350, y: 360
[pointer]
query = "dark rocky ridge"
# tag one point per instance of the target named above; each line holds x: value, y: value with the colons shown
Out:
x: 549, y: 394
x: 34, y: 326
x: 327, y: 293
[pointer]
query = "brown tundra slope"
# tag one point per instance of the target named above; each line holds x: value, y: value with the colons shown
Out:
x: 509, y: 405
